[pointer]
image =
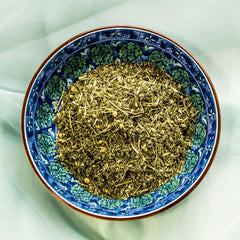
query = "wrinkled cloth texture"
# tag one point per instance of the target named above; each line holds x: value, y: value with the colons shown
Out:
x: 31, y: 30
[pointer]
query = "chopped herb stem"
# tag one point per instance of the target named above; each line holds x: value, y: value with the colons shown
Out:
x: 124, y: 129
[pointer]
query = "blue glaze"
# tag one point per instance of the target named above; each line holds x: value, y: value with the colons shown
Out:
x: 111, y: 45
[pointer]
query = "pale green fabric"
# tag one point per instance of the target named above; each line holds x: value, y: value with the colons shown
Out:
x: 31, y: 29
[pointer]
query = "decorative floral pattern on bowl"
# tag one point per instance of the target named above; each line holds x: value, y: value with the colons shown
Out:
x: 85, y: 52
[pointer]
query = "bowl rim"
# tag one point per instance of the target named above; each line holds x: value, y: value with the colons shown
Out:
x: 61, y: 199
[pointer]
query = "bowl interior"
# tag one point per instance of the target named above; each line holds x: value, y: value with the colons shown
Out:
x: 86, y: 52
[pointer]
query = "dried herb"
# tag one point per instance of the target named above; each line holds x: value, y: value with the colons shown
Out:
x: 124, y: 129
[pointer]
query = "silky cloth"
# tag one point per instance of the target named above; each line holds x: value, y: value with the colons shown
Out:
x: 31, y: 30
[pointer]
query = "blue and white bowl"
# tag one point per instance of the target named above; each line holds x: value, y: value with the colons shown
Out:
x: 101, y: 46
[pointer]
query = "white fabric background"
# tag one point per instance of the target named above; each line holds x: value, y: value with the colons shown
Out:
x: 31, y: 29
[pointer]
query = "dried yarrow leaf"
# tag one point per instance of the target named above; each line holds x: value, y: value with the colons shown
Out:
x: 124, y: 129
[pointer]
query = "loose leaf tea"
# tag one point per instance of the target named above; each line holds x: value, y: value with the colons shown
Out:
x: 124, y: 129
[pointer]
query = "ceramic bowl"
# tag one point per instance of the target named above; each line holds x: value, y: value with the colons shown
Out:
x: 98, y: 47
